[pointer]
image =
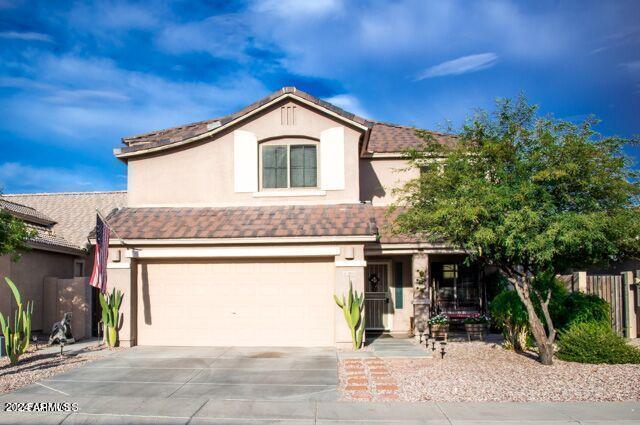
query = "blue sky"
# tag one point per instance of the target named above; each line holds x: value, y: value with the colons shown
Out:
x: 75, y: 77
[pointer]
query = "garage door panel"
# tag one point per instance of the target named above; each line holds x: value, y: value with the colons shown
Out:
x: 270, y: 303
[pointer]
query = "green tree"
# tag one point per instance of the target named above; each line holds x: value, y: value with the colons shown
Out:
x: 529, y: 195
x: 14, y: 234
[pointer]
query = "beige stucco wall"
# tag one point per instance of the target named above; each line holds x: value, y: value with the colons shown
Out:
x: 29, y: 274
x: 202, y: 174
x: 379, y: 176
x: 68, y: 295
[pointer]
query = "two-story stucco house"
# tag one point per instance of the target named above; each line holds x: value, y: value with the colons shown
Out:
x: 238, y: 230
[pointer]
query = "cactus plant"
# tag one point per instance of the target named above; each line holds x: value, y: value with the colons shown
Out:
x: 111, y: 315
x: 353, y: 310
x: 16, y: 339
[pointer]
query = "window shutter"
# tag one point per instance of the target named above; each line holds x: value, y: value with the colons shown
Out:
x: 245, y: 161
x: 332, y: 159
x: 397, y: 281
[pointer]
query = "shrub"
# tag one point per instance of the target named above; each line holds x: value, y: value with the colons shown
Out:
x: 583, y: 308
x: 510, y: 316
x: 591, y: 342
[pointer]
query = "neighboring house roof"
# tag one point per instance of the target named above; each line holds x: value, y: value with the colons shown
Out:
x: 74, y: 212
x: 25, y: 212
x: 45, y: 237
x: 392, y: 138
x: 243, y: 222
x: 383, y: 137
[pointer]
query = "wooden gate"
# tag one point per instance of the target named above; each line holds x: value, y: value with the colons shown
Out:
x: 610, y: 289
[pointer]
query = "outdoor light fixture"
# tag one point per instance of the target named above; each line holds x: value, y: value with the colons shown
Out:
x: 433, y: 344
x: 443, y: 344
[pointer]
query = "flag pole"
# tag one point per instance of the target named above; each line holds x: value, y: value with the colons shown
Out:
x: 104, y: 220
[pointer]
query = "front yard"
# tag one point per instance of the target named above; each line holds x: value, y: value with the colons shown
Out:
x: 45, y: 362
x: 479, y: 371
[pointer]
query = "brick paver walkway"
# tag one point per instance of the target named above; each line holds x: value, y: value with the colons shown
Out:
x: 367, y: 379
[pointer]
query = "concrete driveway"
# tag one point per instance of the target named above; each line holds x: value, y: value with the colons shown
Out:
x: 240, y: 373
x: 225, y: 386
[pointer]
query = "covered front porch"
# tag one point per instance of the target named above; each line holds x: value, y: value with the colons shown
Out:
x: 392, y: 274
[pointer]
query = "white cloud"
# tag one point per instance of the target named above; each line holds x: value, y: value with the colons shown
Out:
x: 349, y: 103
x: 93, y: 99
x: 224, y: 36
x: 633, y: 66
x: 17, y: 177
x: 296, y: 8
x: 26, y: 36
x: 461, y: 65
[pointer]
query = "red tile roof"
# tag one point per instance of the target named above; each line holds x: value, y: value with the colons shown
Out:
x: 243, y: 222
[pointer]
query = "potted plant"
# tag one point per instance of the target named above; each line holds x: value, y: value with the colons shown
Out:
x: 476, y: 325
x: 439, y: 325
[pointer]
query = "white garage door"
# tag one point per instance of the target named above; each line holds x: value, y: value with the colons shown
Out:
x: 237, y: 302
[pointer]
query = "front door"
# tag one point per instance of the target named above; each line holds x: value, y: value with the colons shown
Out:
x: 376, y: 296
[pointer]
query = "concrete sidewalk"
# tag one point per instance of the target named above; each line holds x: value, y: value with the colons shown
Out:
x: 132, y: 410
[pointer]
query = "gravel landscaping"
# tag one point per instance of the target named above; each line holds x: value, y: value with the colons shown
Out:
x: 480, y: 371
x: 36, y: 365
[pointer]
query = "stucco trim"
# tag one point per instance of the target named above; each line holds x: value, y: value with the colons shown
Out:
x: 237, y: 241
x: 279, y: 193
x: 232, y: 252
x: 119, y: 154
x: 315, y: 201
x: 118, y: 265
x: 356, y: 263
x: 59, y: 249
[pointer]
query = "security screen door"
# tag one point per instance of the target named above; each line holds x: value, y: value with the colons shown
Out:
x: 376, y: 296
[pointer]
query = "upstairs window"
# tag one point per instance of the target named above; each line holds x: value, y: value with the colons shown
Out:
x: 274, y: 167
x: 289, y: 166
x: 303, y: 166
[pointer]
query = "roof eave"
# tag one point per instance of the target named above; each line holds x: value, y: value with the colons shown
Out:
x: 118, y: 152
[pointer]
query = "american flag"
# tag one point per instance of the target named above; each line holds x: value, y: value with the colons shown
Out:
x: 99, y: 273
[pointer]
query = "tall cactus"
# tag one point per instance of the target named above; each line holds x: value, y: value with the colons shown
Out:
x: 111, y: 315
x: 353, y: 310
x: 16, y: 339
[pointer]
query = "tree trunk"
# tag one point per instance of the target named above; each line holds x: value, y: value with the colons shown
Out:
x: 543, y: 341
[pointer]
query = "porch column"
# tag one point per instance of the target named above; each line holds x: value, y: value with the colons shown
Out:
x: 349, y: 265
x: 122, y: 276
x: 420, y: 262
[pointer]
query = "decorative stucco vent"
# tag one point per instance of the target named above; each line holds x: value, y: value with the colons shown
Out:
x: 288, y: 115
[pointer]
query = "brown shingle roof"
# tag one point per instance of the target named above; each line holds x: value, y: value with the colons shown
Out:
x: 392, y: 138
x: 184, y: 132
x: 384, y: 137
x: 383, y: 221
x: 73, y: 212
x: 243, y: 222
